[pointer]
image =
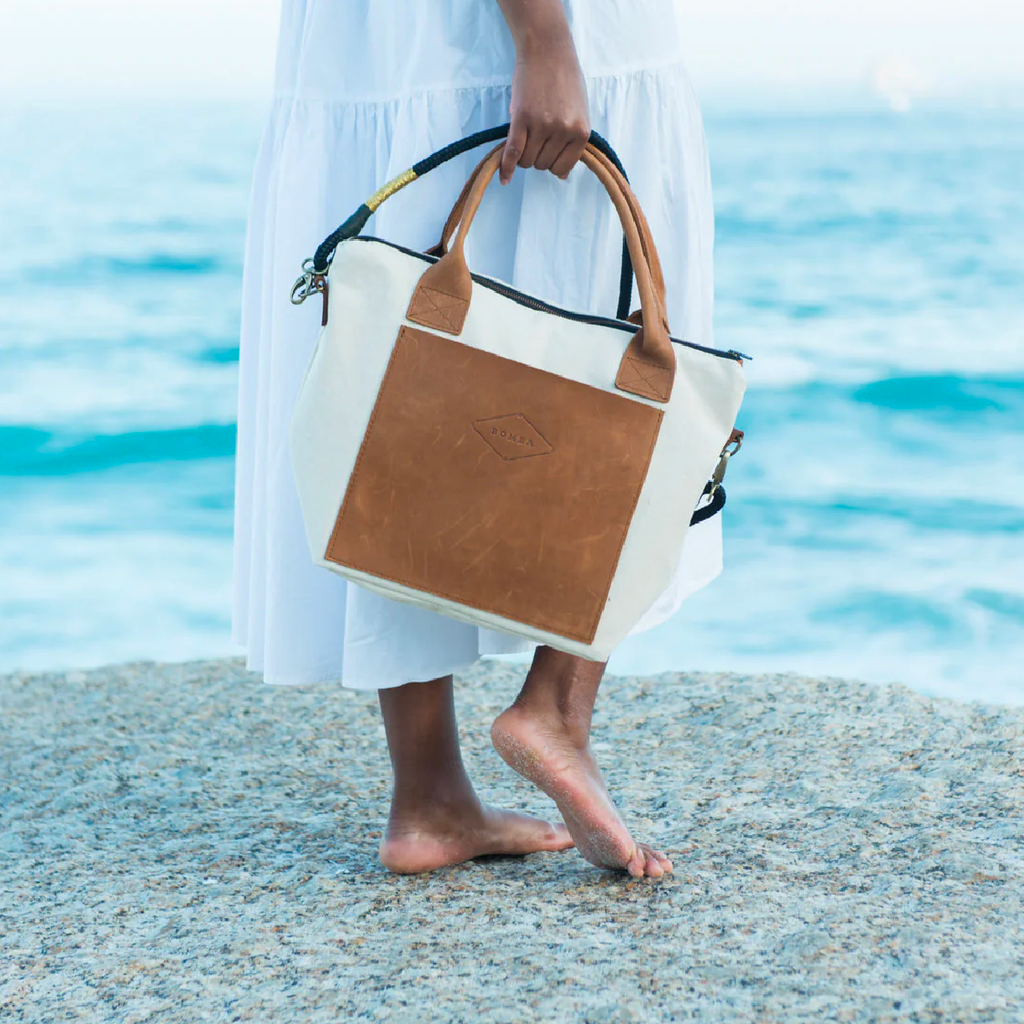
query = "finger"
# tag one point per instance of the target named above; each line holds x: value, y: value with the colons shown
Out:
x: 549, y: 152
x: 569, y: 157
x: 514, y: 145
x: 564, y: 163
x: 535, y: 139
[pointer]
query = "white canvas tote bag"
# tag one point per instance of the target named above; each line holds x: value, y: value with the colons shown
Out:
x: 470, y: 449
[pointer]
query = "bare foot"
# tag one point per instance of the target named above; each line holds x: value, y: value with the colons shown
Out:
x: 571, y: 778
x: 411, y: 846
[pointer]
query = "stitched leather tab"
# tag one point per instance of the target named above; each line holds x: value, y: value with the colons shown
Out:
x: 441, y: 299
x: 433, y: 308
x: 640, y: 376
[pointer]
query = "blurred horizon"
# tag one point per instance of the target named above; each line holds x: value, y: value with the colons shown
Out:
x: 96, y: 50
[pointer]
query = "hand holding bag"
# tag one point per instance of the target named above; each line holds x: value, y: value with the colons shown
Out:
x: 465, y: 447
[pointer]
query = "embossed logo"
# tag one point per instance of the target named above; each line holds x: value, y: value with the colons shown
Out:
x: 513, y: 436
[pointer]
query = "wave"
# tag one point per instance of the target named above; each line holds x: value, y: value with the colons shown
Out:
x: 854, y: 520
x: 966, y: 402
x: 161, y: 263
x: 92, y: 268
x: 28, y: 451
x: 944, y: 393
x: 951, y: 407
x: 793, y: 223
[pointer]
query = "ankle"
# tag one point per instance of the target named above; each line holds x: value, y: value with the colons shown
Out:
x: 558, y: 696
x: 433, y: 801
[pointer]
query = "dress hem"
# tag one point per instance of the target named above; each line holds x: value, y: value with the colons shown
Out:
x: 334, y: 676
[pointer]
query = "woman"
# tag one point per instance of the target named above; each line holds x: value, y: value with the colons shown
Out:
x: 364, y: 90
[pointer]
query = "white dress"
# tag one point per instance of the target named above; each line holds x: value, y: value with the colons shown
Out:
x: 364, y: 89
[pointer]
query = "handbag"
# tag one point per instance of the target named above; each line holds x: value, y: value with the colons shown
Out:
x: 468, y: 448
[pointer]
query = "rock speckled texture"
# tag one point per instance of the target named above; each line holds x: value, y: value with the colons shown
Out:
x: 181, y: 843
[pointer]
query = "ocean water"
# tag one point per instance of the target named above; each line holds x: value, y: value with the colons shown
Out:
x: 872, y: 263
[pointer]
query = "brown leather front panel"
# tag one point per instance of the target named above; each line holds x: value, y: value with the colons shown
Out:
x: 495, y: 484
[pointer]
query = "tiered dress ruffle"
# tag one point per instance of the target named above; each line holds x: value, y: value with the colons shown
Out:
x: 364, y: 90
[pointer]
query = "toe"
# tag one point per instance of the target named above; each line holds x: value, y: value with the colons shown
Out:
x: 513, y: 832
x: 637, y: 863
x: 558, y: 838
x: 647, y: 862
x: 652, y: 866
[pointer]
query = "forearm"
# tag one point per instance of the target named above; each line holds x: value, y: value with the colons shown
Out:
x: 535, y: 24
x: 550, y: 123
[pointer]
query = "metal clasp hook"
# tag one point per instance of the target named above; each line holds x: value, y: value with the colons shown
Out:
x: 312, y: 282
x: 732, y: 446
x: 307, y: 284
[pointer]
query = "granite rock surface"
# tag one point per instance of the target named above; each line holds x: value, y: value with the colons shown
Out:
x: 180, y: 843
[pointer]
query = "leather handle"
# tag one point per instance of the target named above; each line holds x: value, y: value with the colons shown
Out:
x: 441, y: 299
x: 650, y: 252
x: 357, y: 221
x: 646, y: 239
x: 456, y: 215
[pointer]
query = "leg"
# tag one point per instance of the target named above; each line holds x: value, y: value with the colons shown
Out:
x: 436, y: 817
x: 545, y: 736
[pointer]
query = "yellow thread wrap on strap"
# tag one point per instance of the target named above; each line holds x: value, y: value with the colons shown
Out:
x: 388, y: 190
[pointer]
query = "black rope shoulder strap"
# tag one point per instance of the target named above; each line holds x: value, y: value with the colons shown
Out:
x: 357, y: 221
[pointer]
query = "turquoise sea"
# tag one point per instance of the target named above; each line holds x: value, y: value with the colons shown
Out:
x: 872, y: 263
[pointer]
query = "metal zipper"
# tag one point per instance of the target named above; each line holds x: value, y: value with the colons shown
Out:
x: 543, y: 307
